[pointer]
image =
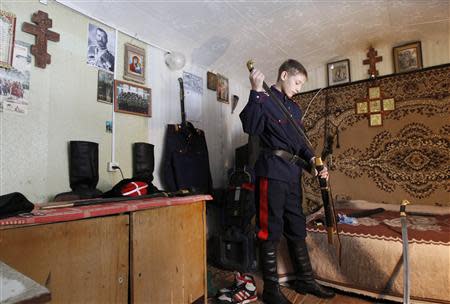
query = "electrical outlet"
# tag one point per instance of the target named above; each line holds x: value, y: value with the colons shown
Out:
x: 111, y: 165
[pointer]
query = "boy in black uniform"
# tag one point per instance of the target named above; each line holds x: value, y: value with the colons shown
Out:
x: 278, y: 180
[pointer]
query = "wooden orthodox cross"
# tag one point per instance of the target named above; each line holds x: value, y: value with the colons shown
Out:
x: 372, y: 61
x: 39, y: 50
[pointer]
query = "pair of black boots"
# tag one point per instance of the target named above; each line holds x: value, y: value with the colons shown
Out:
x: 83, y: 168
x: 305, y: 283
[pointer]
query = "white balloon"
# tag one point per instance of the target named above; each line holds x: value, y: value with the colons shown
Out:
x: 175, y: 60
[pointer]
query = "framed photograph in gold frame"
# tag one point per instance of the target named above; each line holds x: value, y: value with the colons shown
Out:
x: 375, y: 120
x: 222, y: 89
x: 374, y: 93
x: 388, y: 104
x: 8, y: 31
x: 134, y: 64
x: 132, y: 98
x: 362, y: 107
x: 408, y: 57
x: 211, y: 81
x: 375, y: 106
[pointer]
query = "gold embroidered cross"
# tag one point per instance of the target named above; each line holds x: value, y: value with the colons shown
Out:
x: 375, y: 107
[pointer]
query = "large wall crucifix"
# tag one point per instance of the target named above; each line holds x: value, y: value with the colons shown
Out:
x: 39, y: 50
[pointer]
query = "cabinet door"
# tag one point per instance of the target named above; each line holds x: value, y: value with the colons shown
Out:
x: 168, y: 255
x: 83, y: 261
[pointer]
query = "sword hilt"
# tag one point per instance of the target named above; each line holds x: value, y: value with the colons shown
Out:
x: 250, y: 65
x: 403, y: 207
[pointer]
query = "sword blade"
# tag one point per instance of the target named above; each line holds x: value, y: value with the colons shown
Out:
x: 406, y: 287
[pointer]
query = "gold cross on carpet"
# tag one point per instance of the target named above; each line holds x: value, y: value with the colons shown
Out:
x: 375, y: 107
x: 372, y: 61
x: 39, y: 50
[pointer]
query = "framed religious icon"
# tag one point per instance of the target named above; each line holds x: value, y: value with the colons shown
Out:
x: 222, y: 89
x: 132, y: 99
x: 408, y: 57
x: 375, y: 120
x: 374, y: 93
x: 211, y: 81
x: 362, y: 107
x: 375, y: 106
x: 338, y: 72
x: 388, y: 104
x: 8, y: 31
x: 134, y: 65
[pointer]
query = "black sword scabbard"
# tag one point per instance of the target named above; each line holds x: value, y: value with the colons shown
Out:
x: 324, y: 190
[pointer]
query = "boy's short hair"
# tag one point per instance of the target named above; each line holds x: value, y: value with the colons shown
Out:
x: 293, y: 67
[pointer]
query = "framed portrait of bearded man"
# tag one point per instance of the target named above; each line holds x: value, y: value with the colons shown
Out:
x: 101, y: 48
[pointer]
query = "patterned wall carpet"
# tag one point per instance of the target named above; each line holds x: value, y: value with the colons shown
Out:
x: 408, y: 157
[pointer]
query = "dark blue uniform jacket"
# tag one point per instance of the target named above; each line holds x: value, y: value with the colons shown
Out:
x: 186, y: 161
x: 262, y: 116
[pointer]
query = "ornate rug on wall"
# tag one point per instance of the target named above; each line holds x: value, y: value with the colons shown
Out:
x: 408, y: 157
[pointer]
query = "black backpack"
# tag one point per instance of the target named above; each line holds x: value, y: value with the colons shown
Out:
x: 239, y: 207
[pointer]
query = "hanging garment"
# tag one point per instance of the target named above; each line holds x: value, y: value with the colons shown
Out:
x: 186, y: 162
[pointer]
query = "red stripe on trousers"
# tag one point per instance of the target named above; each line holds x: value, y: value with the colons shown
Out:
x: 263, y: 209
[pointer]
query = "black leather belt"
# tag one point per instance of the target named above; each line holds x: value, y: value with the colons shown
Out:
x: 292, y: 158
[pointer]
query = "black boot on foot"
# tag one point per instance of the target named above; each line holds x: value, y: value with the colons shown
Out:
x: 306, y: 282
x: 271, y: 292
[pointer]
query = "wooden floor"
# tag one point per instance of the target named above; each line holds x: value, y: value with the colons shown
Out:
x: 221, y: 278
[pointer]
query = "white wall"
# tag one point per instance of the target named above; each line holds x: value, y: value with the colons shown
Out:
x: 63, y: 107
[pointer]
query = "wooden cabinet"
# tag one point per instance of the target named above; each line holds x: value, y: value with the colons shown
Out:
x: 162, y: 251
x: 168, y: 254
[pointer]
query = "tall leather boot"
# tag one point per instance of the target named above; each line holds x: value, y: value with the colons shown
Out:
x: 144, y: 164
x: 306, y: 282
x: 83, y: 171
x: 83, y: 168
x: 268, y: 256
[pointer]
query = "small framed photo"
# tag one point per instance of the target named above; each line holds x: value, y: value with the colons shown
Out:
x: 211, y: 81
x: 374, y: 93
x: 338, y: 72
x: 222, y: 89
x: 8, y: 31
x: 105, y: 87
x: 132, y: 99
x: 388, y: 104
x: 362, y: 107
x: 375, y: 120
x: 375, y: 106
x: 134, y: 65
x: 408, y: 57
